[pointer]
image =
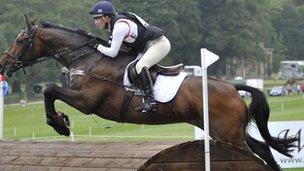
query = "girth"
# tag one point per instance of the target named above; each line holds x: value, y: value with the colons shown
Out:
x: 125, y: 105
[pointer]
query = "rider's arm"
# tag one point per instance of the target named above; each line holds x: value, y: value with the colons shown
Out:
x: 120, y: 31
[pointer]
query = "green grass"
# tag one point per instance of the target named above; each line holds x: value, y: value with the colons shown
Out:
x: 31, y: 118
x: 286, y: 108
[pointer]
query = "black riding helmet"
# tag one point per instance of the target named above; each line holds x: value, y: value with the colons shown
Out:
x: 102, y: 8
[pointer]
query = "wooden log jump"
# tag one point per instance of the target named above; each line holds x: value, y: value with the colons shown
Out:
x: 190, y: 156
x: 77, y: 156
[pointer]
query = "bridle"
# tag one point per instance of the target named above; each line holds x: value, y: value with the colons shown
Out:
x: 17, y: 58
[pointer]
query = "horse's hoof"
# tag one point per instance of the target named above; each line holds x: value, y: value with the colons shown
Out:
x: 60, y: 124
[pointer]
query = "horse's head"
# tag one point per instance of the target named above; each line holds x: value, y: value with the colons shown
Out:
x: 24, y: 51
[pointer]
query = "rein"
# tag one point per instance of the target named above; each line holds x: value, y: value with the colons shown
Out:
x: 103, y: 78
x: 70, y: 50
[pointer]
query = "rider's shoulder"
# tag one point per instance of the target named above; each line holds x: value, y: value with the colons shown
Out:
x: 124, y: 22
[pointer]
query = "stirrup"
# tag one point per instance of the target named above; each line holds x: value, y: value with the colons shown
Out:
x: 146, y: 107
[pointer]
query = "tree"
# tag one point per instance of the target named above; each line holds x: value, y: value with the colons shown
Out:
x: 289, y: 25
x: 235, y: 29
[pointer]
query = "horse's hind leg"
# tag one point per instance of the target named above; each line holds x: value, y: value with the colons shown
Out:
x: 60, y: 122
x: 263, y: 151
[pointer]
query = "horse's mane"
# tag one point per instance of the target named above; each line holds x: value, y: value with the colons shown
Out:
x: 78, y: 31
x: 81, y: 32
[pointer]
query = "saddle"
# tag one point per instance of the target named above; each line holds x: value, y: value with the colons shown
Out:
x: 155, y: 70
x: 133, y: 79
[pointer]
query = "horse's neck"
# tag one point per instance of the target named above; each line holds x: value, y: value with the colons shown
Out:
x: 61, y: 46
x: 59, y: 41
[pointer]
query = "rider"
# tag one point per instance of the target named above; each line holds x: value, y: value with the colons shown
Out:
x: 131, y: 32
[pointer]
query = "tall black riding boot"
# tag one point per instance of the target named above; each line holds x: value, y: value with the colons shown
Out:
x: 147, y: 86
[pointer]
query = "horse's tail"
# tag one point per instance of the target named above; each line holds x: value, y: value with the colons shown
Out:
x: 259, y: 112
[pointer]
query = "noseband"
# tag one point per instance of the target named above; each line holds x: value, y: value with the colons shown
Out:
x: 17, y: 58
x: 17, y: 63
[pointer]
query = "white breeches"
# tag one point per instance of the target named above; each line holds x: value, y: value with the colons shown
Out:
x: 154, y: 52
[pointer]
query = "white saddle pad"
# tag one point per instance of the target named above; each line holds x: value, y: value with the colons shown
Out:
x: 165, y: 87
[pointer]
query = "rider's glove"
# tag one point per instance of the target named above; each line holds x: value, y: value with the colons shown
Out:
x: 93, y: 43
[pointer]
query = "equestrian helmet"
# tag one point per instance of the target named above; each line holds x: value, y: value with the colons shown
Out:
x: 102, y: 8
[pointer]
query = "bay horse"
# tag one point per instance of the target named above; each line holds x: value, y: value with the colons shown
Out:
x: 97, y: 89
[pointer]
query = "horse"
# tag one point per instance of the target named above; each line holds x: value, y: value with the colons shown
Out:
x: 96, y: 88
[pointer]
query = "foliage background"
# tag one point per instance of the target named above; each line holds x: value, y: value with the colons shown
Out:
x: 234, y: 29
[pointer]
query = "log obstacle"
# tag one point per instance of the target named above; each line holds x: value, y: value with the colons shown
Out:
x: 77, y: 156
x: 124, y: 156
x: 190, y: 156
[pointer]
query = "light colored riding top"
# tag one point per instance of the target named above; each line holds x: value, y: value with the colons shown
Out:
x: 124, y: 30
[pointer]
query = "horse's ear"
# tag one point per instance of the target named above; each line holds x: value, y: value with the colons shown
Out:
x: 34, y: 22
x: 28, y: 23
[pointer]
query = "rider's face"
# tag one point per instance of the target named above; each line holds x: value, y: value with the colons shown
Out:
x: 101, y: 22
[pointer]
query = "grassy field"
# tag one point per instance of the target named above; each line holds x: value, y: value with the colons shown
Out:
x: 25, y: 121
x: 31, y: 119
x: 29, y: 122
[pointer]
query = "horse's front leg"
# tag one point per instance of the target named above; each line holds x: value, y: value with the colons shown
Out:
x: 60, y: 121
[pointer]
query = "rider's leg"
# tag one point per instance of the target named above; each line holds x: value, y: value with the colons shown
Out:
x: 156, y: 51
x: 147, y: 86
